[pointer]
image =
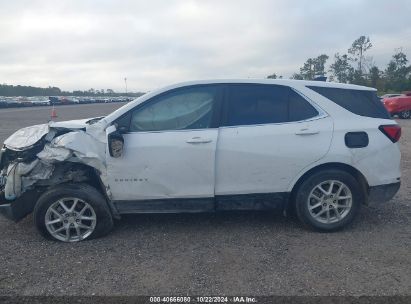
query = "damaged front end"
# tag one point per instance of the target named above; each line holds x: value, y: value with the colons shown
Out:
x: 37, y: 157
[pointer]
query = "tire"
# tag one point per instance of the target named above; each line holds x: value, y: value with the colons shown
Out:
x: 89, y: 218
x: 337, y: 203
x: 405, y: 114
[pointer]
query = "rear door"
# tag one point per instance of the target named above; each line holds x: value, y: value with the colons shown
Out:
x: 269, y: 134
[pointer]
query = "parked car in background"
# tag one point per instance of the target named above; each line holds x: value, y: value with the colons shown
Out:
x: 390, y: 95
x: 54, y: 100
x: 24, y: 101
x: 399, y: 105
x: 68, y: 100
x: 3, y: 102
x: 38, y: 101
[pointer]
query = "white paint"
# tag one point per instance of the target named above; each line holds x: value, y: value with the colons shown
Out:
x: 229, y: 160
x: 26, y: 137
x: 266, y: 158
x: 70, y: 124
x: 85, y: 147
x: 379, y: 162
x: 164, y: 165
x: 51, y: 154
x: 15, y: 171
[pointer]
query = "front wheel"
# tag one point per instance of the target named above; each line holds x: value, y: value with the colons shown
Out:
x: 328, y: 200
x: 405, y: 114
x: 72, y: 213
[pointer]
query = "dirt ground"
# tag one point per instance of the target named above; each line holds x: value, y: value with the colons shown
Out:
x: 211, y: 254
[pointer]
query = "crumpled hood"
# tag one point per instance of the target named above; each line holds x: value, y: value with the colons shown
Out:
x: 27, y: 137
x: 70, y: 124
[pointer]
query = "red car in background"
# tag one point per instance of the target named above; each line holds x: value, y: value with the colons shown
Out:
x: 399, y: 105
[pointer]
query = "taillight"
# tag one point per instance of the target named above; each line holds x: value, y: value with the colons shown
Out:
x: 393, y: 132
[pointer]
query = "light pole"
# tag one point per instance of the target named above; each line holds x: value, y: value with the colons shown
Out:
x: 125, y: 81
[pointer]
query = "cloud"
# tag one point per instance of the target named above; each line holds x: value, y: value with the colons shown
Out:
x: 84, y: 44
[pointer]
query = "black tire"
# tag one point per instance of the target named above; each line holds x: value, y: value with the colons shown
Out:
x: 87, y: 193
x: 405, y: 114
x: 303, y: 193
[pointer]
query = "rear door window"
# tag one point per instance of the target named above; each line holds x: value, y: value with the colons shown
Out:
x: 360, y: 102
x: 251, y: 104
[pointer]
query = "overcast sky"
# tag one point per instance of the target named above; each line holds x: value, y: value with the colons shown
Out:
x: 95, y: 44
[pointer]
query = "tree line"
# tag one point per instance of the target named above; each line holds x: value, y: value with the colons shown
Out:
x: 357, y: 68
x: 11, y: 90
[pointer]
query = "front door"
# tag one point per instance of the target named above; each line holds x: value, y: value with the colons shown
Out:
x: 169, y: 148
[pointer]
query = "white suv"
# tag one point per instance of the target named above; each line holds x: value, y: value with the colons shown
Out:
x: 318, y: 149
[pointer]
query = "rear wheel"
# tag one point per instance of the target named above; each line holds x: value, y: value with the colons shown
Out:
x: 328, y: 200
x: 72, y: 213
x: 405, y: 114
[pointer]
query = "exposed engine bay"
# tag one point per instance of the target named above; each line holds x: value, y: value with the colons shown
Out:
x: 39, y: 156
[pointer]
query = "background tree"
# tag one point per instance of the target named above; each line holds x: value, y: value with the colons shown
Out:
x: 319, y: 65
x: 397, y: 67
x: 10, y: 90
x: 395, y: 78
x: 397, y: 73
x: 297, y: 76
x: 341, y: 68
x: 313, y: 67
x: 357, y: 51
x: 307, y: 70
x: 375, y: 79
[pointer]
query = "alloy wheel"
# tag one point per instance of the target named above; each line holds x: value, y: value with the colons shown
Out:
x: 70, y: 219
x: 329, y: 202
x: 406, y: 114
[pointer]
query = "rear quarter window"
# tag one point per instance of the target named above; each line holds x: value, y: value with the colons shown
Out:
x: 360, y: 102
x: 299, y: 108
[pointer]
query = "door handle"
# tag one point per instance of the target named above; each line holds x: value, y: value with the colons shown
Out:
x: 307, y: 131
x: 199, y: 140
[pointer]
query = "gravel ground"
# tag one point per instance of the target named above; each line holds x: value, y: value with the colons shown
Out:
x: 211, y: 254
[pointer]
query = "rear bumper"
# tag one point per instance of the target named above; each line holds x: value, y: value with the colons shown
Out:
x: 17, y: 209
x: 382, y: 193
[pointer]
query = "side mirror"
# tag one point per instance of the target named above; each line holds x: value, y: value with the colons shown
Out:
x: 115, y: 144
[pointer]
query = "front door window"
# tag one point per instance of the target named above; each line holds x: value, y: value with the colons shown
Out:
x: 188, y: 108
